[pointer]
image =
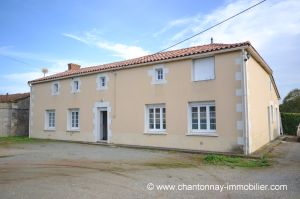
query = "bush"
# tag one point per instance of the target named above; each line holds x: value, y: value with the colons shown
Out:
x: 290, y: 122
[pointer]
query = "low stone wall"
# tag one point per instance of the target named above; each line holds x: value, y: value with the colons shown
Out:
x: 14, y: 118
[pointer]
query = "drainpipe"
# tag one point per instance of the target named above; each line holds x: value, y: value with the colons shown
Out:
x: 30, y: 107
x: 245, y: 99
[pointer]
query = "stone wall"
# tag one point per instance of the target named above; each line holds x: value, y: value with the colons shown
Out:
x: 14, y: 118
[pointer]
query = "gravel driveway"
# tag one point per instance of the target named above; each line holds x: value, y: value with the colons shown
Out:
x: 70, y: 170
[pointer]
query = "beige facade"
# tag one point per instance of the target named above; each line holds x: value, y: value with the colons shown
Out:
x: 130, y: 91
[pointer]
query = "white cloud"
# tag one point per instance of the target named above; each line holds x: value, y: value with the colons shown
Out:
x: 272, y: 27
x: 17, y: 81
x: 121, y: 50
x: 124, y: 51
x: 75, y: 37
x: 259, y: 25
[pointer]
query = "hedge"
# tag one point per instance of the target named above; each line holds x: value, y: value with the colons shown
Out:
x: 290, y: 122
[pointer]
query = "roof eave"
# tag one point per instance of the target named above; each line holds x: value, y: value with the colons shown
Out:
x: 264, y: 65
x: 143, y: 64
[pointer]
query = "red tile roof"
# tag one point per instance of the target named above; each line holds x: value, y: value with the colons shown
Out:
x: 13, y: 97
x: 145, y: 59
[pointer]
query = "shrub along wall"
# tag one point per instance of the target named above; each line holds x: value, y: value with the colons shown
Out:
x: 290, y: 122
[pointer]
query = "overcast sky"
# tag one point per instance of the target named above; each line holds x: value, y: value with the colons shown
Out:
x: 51, y: 33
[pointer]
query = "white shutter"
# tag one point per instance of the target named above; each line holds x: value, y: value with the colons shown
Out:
x: 204, y: 69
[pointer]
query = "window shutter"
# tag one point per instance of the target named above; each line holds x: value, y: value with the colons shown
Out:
x: 204, y: 69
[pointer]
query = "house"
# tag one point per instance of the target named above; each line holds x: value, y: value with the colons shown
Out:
x: 216, y: 97
x: 14, y: 114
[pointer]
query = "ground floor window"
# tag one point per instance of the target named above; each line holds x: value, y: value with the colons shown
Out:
x: 156, y: 117
x: 202, y: 117
x: 50, y: 119
x: 73, y: 119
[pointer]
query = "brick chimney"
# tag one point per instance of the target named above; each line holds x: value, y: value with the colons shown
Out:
x: 72, y: 66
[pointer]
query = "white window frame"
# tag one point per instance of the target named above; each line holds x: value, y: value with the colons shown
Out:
x: 50, y: 125
x: 154, y: 74
x: 159, y: 74
x: 272, y: 114
x: 55, y: 85
x: 194, y: 70
x: 161, y: 129
x: 73, y: 85
x: 70, y: 126
x: 199, y: 131
x: 99, y: 82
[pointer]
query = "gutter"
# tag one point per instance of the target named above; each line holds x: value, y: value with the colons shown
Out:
x: 247, y: 149
x: 30, y: 108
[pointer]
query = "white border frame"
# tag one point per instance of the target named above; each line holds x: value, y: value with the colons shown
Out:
x: 72, y: 85
x: 200, y: 132
x: 96, y: 120
x: 152, y: 73
x: 46, y: 120
x: 69, y: 125
x: 53, y: 90
x: 99, y: 86
x: 146, y: 121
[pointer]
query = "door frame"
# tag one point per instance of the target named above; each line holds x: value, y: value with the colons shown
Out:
x: 98, y: 106
x: 100, y: 124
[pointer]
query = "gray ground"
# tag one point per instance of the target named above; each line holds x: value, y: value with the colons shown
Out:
x: 70, y: 170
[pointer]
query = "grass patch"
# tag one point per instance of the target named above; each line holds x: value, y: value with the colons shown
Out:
x: 16, y: 139
x: 236, y: 161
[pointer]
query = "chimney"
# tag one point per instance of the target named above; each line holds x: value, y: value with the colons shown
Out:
x: 211, y: 40
x: 72, y: 66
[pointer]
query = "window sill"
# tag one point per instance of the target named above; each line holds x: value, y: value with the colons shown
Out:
x: 50, y: 130
x: 203, y: 80
x: 73, y: 130
x: 159, y: 82
x: 102, y: 89
x: 156, y: 133
x: 207, y: 134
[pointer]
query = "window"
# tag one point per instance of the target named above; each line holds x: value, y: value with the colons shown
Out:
x: 75, y: 85
x: 55, y: 88
x: 50, y: 120
x: 159, y: 74
x: 204, y: 69
x: 156, y: 118
x: 202, y: 117
x: 272, y: 114
x: 73, y: 119
x: 102, y: 81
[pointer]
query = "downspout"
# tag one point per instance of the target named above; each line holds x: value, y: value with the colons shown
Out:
x: 245, y: 96
x: 30, y: 110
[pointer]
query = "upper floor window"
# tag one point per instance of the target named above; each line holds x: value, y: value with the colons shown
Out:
x: 75, y: 85
x: 156, y: 118
x: 55, y: 88
x: 102, y: 82
x: 50, y: 120
x: 202, y: 117
x: 204, y: 69
x: 158, y: 74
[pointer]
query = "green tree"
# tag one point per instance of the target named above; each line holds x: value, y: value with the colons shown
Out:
x: 291, y: 103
